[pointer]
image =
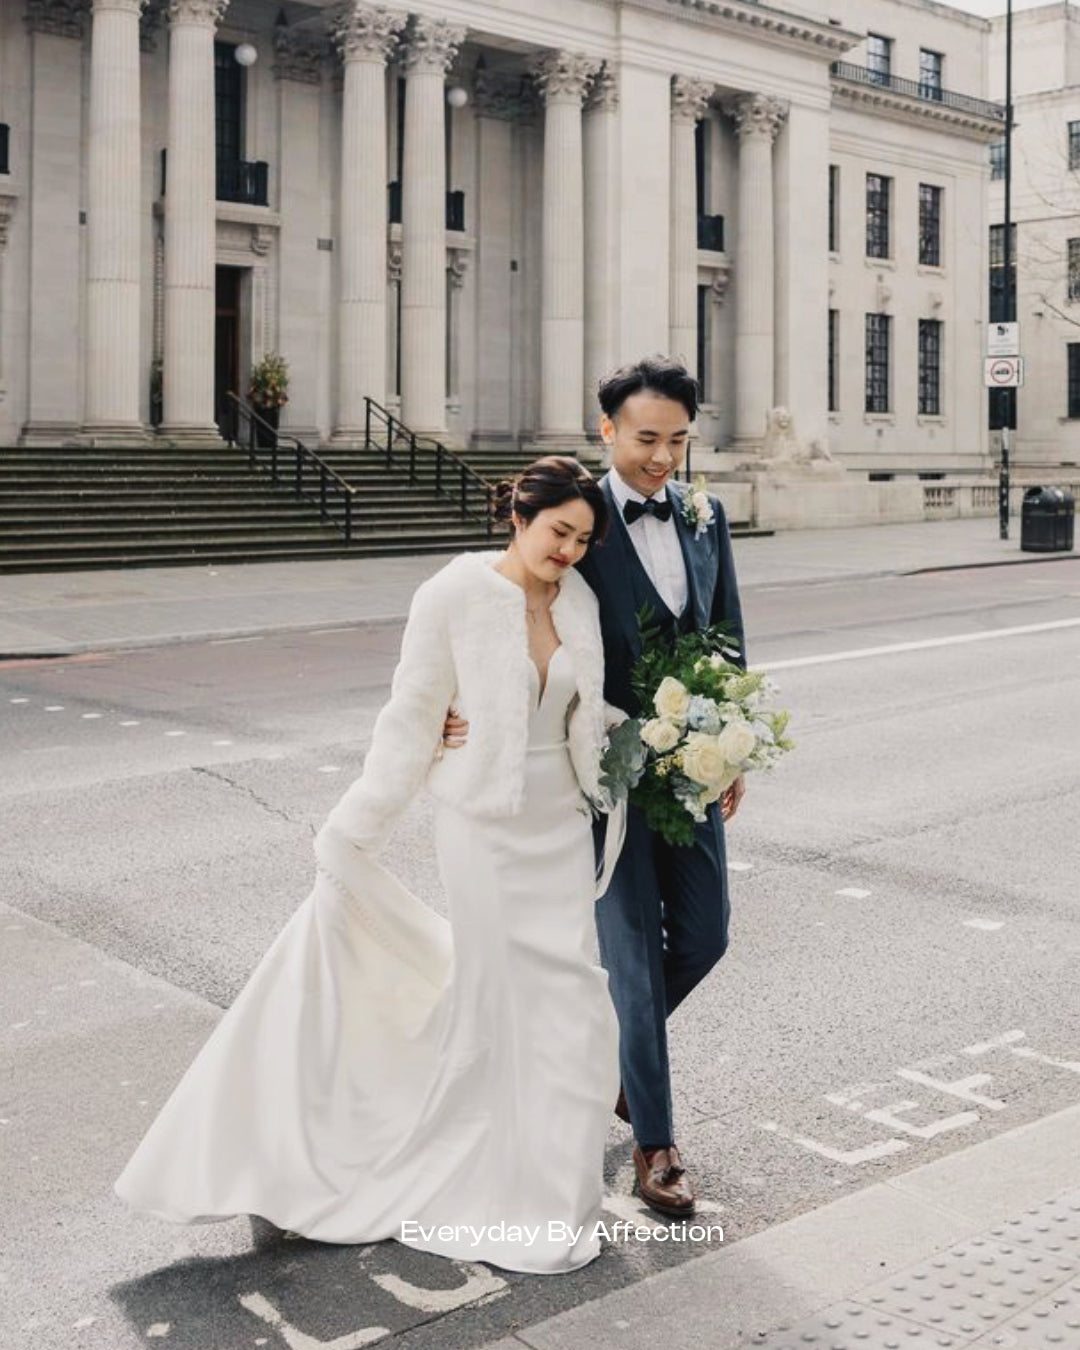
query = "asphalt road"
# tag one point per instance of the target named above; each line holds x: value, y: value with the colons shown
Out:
x: 901, y: 981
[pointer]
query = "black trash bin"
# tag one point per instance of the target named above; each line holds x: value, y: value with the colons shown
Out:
x: 1046, y: 520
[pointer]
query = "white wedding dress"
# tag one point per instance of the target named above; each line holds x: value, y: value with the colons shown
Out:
x: 384, y: 1066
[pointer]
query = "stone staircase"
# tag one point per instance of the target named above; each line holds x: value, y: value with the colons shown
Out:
x: 77, y: 508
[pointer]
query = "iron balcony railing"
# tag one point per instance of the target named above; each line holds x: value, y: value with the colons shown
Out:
x: 238, y: 180
x: 455, y: 207
x: 920, y: 89
x: 710, y: 233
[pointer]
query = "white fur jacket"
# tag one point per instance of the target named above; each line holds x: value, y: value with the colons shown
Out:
x: 466, y: 645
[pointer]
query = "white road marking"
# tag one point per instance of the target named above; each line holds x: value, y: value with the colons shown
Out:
x: 18, y: 700
x: 852, y: 1156
x: 479, y: 1281
x: 129, y: 724
x: 981, y: 1047
x: 738, y: 866
x: 854, y: 892
x: 859, y: 653
x: 55, y: 707
x: 984, y: 925
x: 17, y: 1026
x: 222, y: 742
x: 329, y: 768
x: 159, y: 1329
x: 89, y: 717
x: 298, y: 1340
x: 176, y: 733
x: 962, y: 1088
x: 84, y: 1322
x: 221, y: 642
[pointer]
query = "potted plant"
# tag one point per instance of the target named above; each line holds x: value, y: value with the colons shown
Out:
x: 267, y: 392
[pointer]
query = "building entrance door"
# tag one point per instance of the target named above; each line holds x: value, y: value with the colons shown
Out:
x: 227, y: 348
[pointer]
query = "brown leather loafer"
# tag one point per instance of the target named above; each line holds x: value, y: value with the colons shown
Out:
x: 621, y: 1108
x: 663, y: 1183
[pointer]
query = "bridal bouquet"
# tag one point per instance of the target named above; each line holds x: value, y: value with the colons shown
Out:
x: 710, y: 725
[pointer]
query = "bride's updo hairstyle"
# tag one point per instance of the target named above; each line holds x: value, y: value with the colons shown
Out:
x: 547, y: 483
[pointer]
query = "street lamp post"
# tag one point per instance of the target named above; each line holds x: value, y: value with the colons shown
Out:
x: 1008, y: 280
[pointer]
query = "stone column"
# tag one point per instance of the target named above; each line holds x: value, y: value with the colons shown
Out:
x: 689, y: 99
x: 431, y: 46
x: 114, y: 224
x: 190, y: 224
x: 364, y: 35
x: 304, y: 320
x: 562, y: 78
x: 600, y: 151
x: 757, y: 120
x: 54, y: 110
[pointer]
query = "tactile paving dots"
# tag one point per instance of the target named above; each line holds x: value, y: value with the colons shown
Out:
x: 1051, y: 1324
x: 972, y: 1288
x: 847, y: 1326
x: 1052, y: 1227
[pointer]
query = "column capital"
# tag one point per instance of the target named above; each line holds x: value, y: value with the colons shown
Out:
x: 362, y: 32
x: 197, y: 13
x: 757, y: 115
x: 62, y: 18
x: 299, y: 56
x: 431, y: 44
x: 563, y: 77
x: 603, y: 95
x: 689, y: 98
x: 505, y: 95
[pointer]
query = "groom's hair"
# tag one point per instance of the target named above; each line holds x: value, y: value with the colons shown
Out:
x: 660, y: 374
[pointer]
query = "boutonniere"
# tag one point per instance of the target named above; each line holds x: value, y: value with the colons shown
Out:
x: 696, y: 508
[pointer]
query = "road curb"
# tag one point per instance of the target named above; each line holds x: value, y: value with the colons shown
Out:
x: 389, y: 620
x: 732, y: 1298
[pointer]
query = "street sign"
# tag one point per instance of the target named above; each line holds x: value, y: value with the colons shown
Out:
x: 1004, y: 372
x: 1003, y: 339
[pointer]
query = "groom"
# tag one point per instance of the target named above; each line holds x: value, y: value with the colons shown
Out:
x: 663, y: 921
x: 662, y: 924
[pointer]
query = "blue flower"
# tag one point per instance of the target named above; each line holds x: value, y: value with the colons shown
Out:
x: 703, y: 715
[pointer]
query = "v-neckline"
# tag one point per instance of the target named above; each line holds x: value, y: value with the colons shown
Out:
x: 544, y: 681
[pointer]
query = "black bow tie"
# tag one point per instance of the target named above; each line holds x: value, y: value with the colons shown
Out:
x: 633, y: 510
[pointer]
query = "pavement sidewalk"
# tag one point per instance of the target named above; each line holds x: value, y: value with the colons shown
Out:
x: 974, y: 1251
x: 65, y: 613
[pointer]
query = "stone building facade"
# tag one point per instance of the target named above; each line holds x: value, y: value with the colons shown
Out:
x: 468, y: 211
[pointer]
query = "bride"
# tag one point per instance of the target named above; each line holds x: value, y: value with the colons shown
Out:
x: 386, y: 1072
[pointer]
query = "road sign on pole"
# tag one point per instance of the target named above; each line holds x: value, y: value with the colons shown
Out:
x: 1003, y: 339
x: 1004, y: 372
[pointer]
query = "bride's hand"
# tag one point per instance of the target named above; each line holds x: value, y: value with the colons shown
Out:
x: 732, y: 796
x: 455, y: 731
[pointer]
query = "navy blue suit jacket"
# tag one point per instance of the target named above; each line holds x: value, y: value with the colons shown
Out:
x: 710, y: 574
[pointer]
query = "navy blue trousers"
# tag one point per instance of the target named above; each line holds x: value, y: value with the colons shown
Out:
x: 662, y: 925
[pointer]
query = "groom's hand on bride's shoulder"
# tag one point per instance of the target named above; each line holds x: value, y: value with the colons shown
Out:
x: 455, y: 731
x: 732, y: 796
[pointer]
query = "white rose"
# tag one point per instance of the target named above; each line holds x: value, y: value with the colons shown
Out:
x: 701, y: 506
x: 661, y: 734
x: 672, y: 699
x: 736, y: 741
x: 703, y: 760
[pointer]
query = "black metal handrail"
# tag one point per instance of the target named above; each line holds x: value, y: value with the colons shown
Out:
x: 5, y: 137
x: 919, y: 89
x: 446, y: 461
x: 278, y: 447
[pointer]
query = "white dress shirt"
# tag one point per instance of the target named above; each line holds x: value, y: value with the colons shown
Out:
x: 657, y: 545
